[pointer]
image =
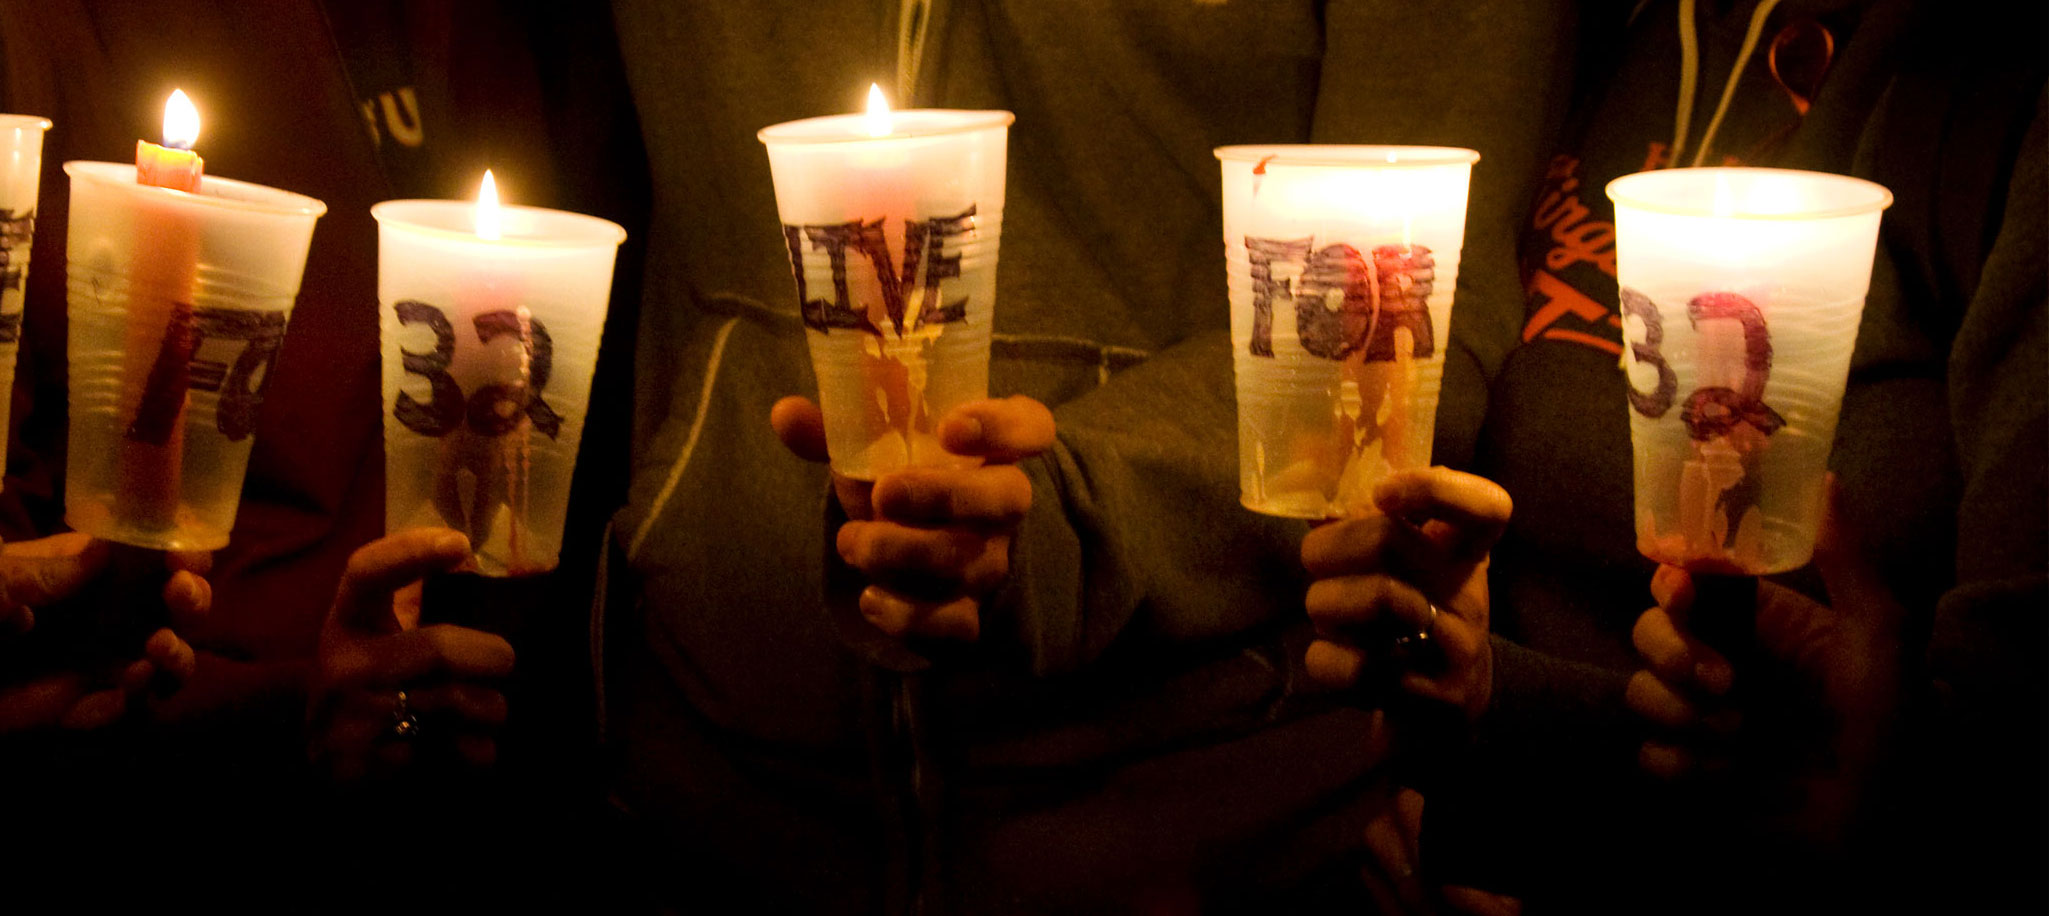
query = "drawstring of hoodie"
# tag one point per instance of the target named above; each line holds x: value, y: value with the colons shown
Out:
x: 914, y: 18
x: 1689, y: 77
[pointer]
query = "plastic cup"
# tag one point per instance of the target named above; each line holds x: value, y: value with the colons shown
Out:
x: 21, y: 168
x: 489, y: 346
x: 892, y: 242
x: 1741, y: 294
x: 178, y: 304
x: 1341, y: 262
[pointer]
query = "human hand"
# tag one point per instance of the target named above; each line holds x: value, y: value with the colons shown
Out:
x: 1418, y: 566
x: 384, y: 686
x: 934, y: 542
x: 54, y: 573
x: 1837, y: 663
x: 1393, y: 871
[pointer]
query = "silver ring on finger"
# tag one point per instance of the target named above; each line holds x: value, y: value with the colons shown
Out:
x: 405, y: 726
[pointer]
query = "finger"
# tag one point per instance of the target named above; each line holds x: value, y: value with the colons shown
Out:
x: 1471, y: 901
x: 96, y: 710
x: 39, y: 703
x: 1672, y: 588
x: 174, y: 659
x: 957, y: 620
x: 1346, y: 603
x: 49, y: 569
x: 405, y: 604
x: 397, y: 658
x: 472, y: 704
x: 1382, y: 544
x: 800, y: 426
x: 986, y: 497
x: 1408, y: 807
x: 1002, y: 431
x: 1474, y: 509
x: 1657, y: 702
x: 363, y: 601
x: 1665, y: 761
x: 926, y: 563
x: 188, y: 597
x: 1458, y: 682
x: 135, y: 676
x: 1397, y: 863
x: 1333, y: 664
x: 1678, y: 658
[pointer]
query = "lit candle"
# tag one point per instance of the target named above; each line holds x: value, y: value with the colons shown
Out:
x: 1340, y: 262
x: 21, y: 168
x: 1742, y: 290
x: 491, y: 317
x: 892, y: 220
x: 173, y: 165
x: 180, y: 289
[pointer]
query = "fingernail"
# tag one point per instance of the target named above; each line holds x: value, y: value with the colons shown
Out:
x: 971, y: 428
x: 452, y: 542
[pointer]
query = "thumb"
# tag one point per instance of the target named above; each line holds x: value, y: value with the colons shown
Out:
x: 363, y: 600
x: 51, y: 569
x: 800, y: 426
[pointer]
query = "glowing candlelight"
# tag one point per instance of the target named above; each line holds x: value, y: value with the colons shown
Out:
x: 488, y: 216
x: 181, y: 121
x: 877, y: 119
x: 173, y: 165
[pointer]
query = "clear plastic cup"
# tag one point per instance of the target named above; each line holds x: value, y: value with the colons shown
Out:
x: 178, y: 304
x: 1742, y: 290
x: 892, y: 242
x: 489, y: 346
x: 21, y: 168
x: 1341, y: 261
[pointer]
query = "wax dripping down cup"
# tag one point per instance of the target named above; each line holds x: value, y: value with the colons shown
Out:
x: 488, y: 349
x: 892, y: 227
x: 178, y: 304
x: 1340, y: 263
x: 1741, y: 292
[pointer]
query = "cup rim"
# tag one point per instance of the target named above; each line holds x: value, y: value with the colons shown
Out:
x: 593, y: 230
x: 923, y: 122
x: 1327, y: 155
x: 1624, y: 191
x: 22, y: 121
x: 213, y: 191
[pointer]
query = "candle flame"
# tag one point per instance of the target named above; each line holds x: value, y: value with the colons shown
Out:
x: 487, y: 209
x: 181, y: 121
x: 878, y: 112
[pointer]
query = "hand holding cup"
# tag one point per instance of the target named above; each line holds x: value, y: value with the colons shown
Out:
x: 41, y: 583
x: 1412, y: 574
x: 933, y: 541
x: 383, y: 685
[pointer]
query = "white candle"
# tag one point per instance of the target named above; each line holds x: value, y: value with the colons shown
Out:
x: 1741, y: 292
x: 491, y: 317
x: 1341, y: 262
x: 892, y: 221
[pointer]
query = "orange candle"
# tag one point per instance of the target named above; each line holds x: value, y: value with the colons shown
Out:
x: 159, y: 343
